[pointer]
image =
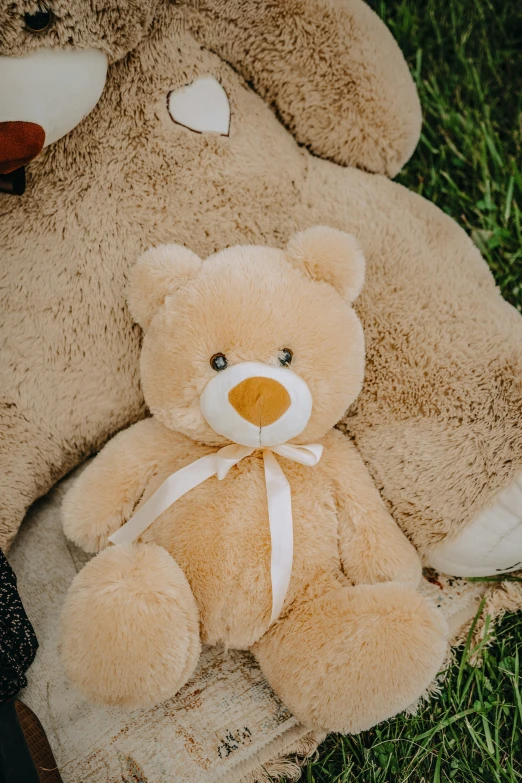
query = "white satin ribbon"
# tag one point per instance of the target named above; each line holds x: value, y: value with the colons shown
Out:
x: 278, y: 497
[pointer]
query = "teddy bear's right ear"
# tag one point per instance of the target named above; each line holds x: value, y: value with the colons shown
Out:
x: 335, y: 257
x: 158, y: 274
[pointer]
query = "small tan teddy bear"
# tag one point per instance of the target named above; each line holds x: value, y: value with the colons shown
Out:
x: 258, y: 525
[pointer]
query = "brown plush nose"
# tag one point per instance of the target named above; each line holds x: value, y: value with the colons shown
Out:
x: 261, y: 401
x: 20, y: 142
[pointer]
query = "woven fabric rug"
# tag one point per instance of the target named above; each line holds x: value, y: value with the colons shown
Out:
x: 224, y: 726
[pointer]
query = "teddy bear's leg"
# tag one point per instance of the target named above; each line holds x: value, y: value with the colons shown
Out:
x: 129, y: 627
x: 354, y: 656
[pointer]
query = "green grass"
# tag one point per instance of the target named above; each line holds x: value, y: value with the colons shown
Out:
x: 471, y: 732
x: 466, y: 56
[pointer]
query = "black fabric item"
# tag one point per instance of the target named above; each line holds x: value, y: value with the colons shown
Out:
x: 25, y: 753
x: 18, y: 643
x: 16, y: 763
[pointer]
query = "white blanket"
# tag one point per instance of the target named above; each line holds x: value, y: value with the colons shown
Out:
x: 225, y: 723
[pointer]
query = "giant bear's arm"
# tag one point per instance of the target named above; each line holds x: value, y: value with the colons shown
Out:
x: 104, y: 496
x: 371, y: 545
x: 330, y: 68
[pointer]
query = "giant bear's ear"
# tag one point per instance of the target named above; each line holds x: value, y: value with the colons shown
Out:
x: 158, y: 274
x: 329, y: 255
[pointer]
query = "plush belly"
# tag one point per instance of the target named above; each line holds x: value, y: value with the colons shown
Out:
x: 490, y: 544
x: 219, y: 534
x: 229, y: 572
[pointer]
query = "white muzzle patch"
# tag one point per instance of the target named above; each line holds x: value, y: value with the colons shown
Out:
x: 52, y: 88
x: 237, y: 421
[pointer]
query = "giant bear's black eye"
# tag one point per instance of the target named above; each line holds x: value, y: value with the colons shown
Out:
x: 285, y: 357
x: 40, y: 21
x: 218, y: 362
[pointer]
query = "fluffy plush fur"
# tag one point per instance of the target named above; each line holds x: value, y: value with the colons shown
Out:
x: 438, y: 420
x: 343, y: 657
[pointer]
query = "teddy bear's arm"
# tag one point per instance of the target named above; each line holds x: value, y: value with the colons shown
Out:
x: 330, y: 68
x: 104, y: 496
x: 372, y: 547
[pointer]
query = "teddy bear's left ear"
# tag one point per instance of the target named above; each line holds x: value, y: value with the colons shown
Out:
x: 158, y: 274
x: 329, y: 255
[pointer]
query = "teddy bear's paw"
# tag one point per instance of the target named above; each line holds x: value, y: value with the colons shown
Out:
x: 355, y: 656
x: 129, y: 627
x: 94, y: 538
x: 408, y: 569
x: 398, y: 563
x: 85, y: 523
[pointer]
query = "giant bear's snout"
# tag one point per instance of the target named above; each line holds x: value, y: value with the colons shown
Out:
x: 44, y: 95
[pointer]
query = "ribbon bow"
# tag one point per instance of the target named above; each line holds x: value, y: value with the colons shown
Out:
x: 277, y: 492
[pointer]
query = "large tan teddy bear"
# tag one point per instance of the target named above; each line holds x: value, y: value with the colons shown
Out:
x: 248, y: 361
x: 212, y: 129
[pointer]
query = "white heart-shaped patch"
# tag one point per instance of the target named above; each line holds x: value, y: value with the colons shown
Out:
x: 201, y: 106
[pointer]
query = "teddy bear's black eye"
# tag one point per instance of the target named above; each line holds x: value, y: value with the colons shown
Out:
x: 285, y: 357
x: 40, y: 21
x: 218, y: 362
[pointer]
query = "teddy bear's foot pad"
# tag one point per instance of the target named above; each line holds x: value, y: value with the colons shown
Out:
x: 355, y: 656
x: 130, y: 632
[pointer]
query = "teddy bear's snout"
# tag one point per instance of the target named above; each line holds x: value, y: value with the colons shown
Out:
x: 261, y: 401
x: 257, y: 404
